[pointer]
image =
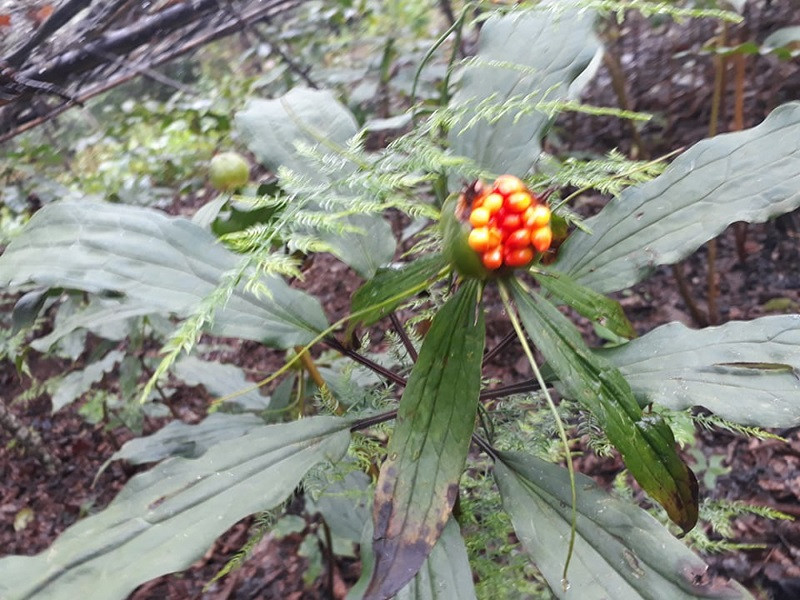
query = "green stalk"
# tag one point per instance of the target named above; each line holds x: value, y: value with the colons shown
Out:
x: 562, y: 434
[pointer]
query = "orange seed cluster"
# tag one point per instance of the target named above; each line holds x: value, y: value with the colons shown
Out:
x: 509, y: 224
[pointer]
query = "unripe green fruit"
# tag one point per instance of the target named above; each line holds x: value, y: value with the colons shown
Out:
x: 455, y: 233
x: 228, y: 171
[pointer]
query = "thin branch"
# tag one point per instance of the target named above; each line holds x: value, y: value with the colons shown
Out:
x: 226, y: 29
x: 57, y: 20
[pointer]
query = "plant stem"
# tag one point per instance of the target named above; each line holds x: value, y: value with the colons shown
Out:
x: 363, y: 360
x: 329, y: 558
x: 498, y: 347
x: 484, y: 445
x: 559, y: 423
x: 618, y: 84
x: 401, y: 331
x: 368, y: 422
x: 740, y: 229
x: 515, y: 388
x: 720, y: 64
x: 698, y: 316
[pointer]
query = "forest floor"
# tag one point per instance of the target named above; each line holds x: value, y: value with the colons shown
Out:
x: 765, y: 472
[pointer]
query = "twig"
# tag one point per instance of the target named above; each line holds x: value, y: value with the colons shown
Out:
x: 62, y: 15
x: 222, y: 31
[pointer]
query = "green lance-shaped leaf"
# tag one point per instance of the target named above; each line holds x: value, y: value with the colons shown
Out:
x: 621, y: 552
x: 165, y: 519
x: 418, y: 482
x: 445, y: 574
x: 190, y: 441
x: 272, y: 130
x: 747, y: 372
x: 750, y: 175
x: 645, y: 442
x: 221, y: 380
x: 507, y: 69
x: 397, y: 284
x: 76, y: 383
x: 159, y: 263
x: 592, y: 305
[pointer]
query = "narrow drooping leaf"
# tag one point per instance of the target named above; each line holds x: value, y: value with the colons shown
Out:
x: 165, y: 519
x: 27, y: 309
x: 645, y: 442
x: 190, y: 441
x: 108, y: 318
x: 747, y: 372
x: 592, y: 305
x: 621, y: 552
x: 76, y: 383
x: 397, y: 284
x: 221, y: 380
x: 272, y: 130
x: 160, y: 263
x: 445, y: 574
x: 418, y: 483
x: 507, y: 69
x: 749, y: 175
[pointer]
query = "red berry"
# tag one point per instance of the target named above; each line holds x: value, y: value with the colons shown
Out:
x: 519, y: 257
x: 493, y: 259
x: 521, y: 238
x: 511, y: 222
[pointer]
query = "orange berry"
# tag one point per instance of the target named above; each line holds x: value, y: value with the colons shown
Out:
x: 511, y: 222
x: 508, y: 184
x: 495, y: 237
x: 493, y: 259
x: 521, y: 238
x: 528, y: 214
x: 519, y: 257
x: 541, y: 238
x: 478, y: 239
x: 539, y: 217
x: 518, y: 202
x: 493, y: 203
x: 479, y: 217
